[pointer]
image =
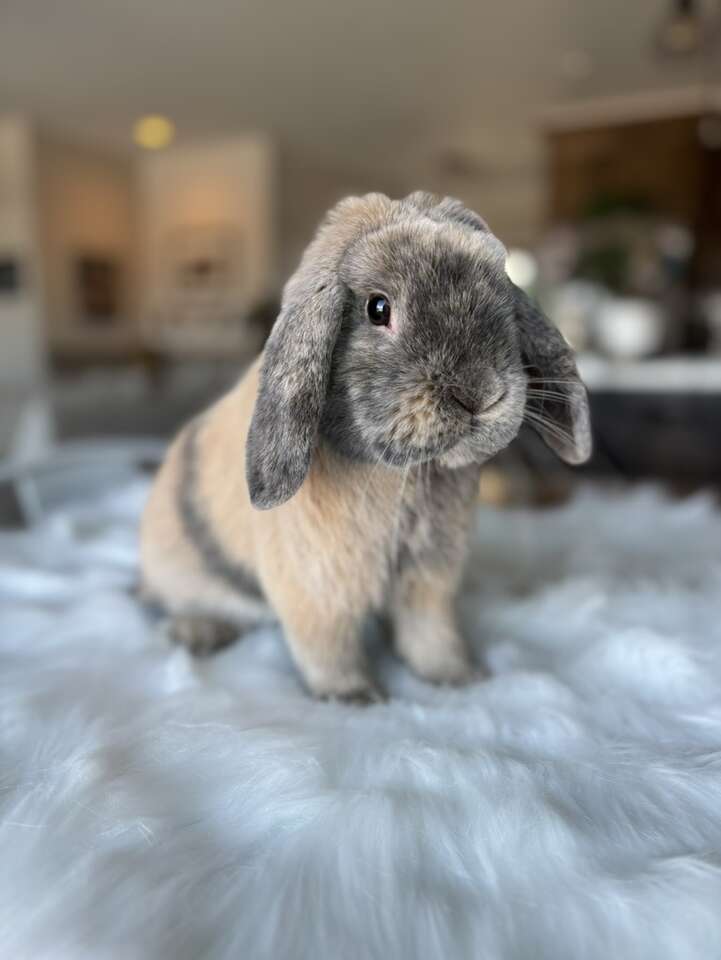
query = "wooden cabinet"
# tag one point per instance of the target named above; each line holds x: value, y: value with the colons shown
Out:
x: 661, y: 166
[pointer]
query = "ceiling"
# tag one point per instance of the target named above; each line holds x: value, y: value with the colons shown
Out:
x: 368, y: 84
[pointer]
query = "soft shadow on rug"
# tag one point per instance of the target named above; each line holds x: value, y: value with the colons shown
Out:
x: 570, y: 806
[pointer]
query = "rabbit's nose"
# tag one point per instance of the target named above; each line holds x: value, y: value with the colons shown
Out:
x: 492, y: 396
x: 465, y: 398
x: 478, y: 401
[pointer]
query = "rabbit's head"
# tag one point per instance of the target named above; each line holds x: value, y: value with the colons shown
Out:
x: 401, y: 339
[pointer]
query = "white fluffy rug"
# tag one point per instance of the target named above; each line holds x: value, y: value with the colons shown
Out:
x: 569, y: 807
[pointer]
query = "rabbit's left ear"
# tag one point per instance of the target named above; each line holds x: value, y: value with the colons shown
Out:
x: 293, y: 385
x: 298, y: 355
x: 557, y: 404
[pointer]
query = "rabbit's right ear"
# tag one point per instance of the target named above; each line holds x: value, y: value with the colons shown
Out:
x: 297, y: 358
x: 557, y: 407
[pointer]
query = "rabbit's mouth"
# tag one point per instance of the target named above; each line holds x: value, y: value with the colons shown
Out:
x: 409, y: 441
x: 410, y: 417
x: 407, y: 454
x: 449, y: 433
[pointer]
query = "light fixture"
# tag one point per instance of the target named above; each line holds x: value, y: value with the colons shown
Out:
x: 153, y: 132
x: 684, y: 30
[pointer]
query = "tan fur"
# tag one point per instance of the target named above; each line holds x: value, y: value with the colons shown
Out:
x: 425, y: 632
x: 172, y: 569
x: 269, y: 502
x: 321, y: 558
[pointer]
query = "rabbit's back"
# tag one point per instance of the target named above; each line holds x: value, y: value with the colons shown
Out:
x: 197, y: 543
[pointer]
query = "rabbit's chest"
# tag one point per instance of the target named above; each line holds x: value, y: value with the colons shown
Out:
x: 363, y: 529
x: 424, y: 525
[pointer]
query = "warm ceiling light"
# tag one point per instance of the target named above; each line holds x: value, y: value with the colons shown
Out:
x: 153, y: 132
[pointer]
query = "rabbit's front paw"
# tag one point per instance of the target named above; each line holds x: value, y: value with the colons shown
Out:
x: 356, y: 688
x: 434, y: 650
x: 452, y: 671
x: 201, y: 635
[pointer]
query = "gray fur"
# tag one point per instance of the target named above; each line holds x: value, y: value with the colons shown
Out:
x: 408, y: 411
x: 552, y: 367
x: 465, y: 337
x: 294, y: 382
x: 431, y: 524
x: 198, y: 529
x: 451, y: 210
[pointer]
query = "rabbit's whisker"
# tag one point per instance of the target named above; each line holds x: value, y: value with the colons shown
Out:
x: 535, y: 419
x: 549, y: 395
x: 544, y: 380
x: 380, y: 461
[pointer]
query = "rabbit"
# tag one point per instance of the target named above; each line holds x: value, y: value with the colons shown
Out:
x: 340, y: 475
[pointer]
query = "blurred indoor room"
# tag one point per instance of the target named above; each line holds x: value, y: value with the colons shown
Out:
x: 163, y: 166
x: 161, y: 170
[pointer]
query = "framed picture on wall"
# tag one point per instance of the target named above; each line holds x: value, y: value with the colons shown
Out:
x: 201, y: 305
x: 98, y: 289
x: 205, y: 262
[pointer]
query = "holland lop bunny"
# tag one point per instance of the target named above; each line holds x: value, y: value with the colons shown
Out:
x: 339, y: 476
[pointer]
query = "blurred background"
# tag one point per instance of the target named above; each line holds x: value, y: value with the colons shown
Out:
x: 162, y: 166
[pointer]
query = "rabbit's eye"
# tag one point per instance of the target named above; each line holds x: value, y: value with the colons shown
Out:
x: 379, y: 310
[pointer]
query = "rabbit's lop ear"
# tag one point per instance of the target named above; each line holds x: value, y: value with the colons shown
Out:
x: 293, y: 382
x: 557, y: 402
x: 297, y: 358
